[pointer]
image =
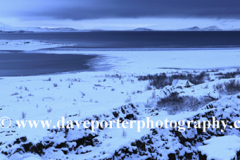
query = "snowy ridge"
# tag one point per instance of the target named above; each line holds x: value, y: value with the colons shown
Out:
x: 196, y: 28
x: 4, y: 26
x: 143, y: 29
x: 8, y: 29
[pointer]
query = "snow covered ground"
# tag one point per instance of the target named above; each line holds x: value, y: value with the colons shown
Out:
x: 115, y: 91
x: 143, y: 62
x: 28, y: 45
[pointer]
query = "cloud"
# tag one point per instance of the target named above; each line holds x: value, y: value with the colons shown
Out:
x: 98, y: 9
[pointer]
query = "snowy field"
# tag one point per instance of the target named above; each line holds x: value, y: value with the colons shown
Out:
x: 121, y: 88
x: 27, y: 45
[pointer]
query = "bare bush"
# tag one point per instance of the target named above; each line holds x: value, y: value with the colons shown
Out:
x: 14, y: 94
x: 154, y: 95
x: 124, y: 134
x: 175, y: 103
x: 232, y: 87
x: 161, y: 80
x: 24, y: 115
x: 49, y: 109
x: 229, y: 74
x: 79, y: 113
x: 128, y: 100
x: 219, y: 87
x: 148, y: 88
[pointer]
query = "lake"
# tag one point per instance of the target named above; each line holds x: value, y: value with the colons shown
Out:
x: 134, y: 39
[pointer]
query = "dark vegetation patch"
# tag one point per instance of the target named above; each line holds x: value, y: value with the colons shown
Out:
x: 228, y: 74
x: 161, y: 80
x: 232, y: 87
x: 175, y: 103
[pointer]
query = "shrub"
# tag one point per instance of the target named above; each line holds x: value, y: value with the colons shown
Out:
x: 175, y: 103
x: 154, y: 95
x: 161, y: 80
x: 49, y: 110
x: 124, y: 134
x: 79, y: 113
x: 128, y: 100
x: 232, y: 87
x: 219, y: 87
x: 229, y: 74
x: 24, y: 115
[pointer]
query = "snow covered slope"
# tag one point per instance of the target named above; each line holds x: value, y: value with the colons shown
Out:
x: 4, y: 27
x: 9, y: 29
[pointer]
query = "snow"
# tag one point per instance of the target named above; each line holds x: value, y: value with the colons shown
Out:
x: 142, y: 62
x: 79, y: 96
x: 27, y: 45
x: 4, y: 27
x: 182, y: 83
x: 9, y: 29
x: 142, y: 29
x: 2, y: 157
x: 221, y: 148
x: 196, y: 28
x: 129, y: 24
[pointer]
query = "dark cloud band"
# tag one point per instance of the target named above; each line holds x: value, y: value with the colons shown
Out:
x: 95, y: 9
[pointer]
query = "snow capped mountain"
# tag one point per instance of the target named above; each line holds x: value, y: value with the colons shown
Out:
x: 196, y: 28
x: 9, y: 29
x: 142, y: 29
x: 60, y: 29
x: 212, y: 28
x: 5, y: 27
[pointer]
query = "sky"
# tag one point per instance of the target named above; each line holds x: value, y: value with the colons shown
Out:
x: 118, y: 13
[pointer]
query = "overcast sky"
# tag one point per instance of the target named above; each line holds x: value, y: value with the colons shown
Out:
x: 69, y: 12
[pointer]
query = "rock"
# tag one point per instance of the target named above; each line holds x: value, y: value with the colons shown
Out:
x: 172, y: 156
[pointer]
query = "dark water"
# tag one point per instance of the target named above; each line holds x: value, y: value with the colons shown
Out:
x: 22, y: 64
x: 130, y: 39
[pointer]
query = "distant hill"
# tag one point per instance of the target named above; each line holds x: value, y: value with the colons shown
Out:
x: 196, y: 28
x: 4, y: 27
x: 142, y: 29
x: 9, y: 29
x: 60, y: 29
